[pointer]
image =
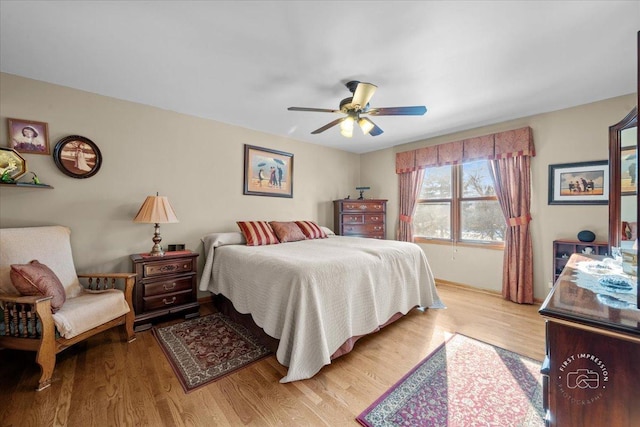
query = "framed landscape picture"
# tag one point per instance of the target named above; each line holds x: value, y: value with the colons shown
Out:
x: 585, y: 183
x: 267, y: 172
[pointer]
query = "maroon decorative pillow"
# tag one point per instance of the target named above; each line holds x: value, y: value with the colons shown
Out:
x: 38, y: 279
x: 257, y: 233
x: 311, y: 230
x: 287, y: 231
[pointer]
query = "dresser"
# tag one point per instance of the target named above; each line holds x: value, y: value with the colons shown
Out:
x: 591, y: 372
x: 164, y: 286
x: 563, y: 249
x: 360, y: 218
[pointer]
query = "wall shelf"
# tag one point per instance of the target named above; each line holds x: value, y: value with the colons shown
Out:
x: 25, y: 185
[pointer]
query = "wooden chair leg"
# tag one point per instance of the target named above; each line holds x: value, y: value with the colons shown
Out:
x: 46, y: 355
x: 128, y: 324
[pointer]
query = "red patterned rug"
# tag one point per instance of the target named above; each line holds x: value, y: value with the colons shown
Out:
x: 463, y: 383
x: 207, y: 348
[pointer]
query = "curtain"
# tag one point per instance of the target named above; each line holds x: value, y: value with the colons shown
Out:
x: 512, y: 182
x: 410, y: 185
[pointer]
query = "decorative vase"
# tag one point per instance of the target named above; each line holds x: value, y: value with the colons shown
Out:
x: 586, y: 236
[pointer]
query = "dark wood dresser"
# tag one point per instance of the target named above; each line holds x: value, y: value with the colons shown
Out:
x: 164, y: 285
x: 360, y: 218
x: 591, y: 372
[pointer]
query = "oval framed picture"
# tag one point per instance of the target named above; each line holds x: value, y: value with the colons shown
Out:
x: 77, y: 156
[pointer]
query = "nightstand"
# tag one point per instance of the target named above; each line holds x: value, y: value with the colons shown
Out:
x: 165, y: 285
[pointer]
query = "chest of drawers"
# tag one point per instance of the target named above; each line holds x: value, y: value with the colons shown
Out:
x: 361, y: 218
x: 164, y: 285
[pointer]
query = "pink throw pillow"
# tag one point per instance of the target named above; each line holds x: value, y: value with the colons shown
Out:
x: 38, y: 279
x: 311, y: 230
x: 257, y: 233
x: 287, y: 231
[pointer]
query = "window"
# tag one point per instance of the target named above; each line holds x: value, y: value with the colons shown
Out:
x: 458, y: 203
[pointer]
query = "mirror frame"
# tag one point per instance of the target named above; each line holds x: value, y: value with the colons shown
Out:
x: 615, y: 174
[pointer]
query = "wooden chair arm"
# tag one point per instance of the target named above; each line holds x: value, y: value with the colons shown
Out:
x: 102, y: 282
x: 20, y: 299
x: 21, y: 314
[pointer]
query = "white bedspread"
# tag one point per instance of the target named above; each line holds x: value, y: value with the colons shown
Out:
x: 313, y: 295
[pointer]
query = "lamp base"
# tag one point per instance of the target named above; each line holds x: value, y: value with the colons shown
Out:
x: 156, y: 250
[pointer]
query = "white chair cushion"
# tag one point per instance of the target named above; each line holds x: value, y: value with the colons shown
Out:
x: 50, y: 245
x: 89, y: 310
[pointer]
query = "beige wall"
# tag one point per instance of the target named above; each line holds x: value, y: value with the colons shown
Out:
x: 198, y: 164
x: 571, y: 135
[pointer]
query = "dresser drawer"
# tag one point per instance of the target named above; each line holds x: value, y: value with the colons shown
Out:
x: 353, y: 219
x: 167, y: 286
x: 364, y: 229
x: 167, y: 300
x: 175, y: 266
x: 362, y: 207
x: 373, y: 219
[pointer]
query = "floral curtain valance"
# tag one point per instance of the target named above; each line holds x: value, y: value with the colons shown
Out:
x: 512, y: 143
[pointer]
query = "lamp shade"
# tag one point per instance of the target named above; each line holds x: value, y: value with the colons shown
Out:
x: 156, y: 210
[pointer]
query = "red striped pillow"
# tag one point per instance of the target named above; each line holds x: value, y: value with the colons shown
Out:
x: 311, y: 230
x: 257, y: 233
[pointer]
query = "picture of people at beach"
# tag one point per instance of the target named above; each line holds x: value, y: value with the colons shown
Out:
x: 268, y: 172
x: 582, y: 183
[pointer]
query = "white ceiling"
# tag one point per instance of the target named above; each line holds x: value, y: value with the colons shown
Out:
x: 471, y: 63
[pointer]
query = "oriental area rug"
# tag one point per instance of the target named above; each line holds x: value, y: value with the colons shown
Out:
x: 207, y: 348
x: 463, y: 383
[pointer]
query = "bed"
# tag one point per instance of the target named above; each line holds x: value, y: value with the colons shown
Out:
x: 317, y: 296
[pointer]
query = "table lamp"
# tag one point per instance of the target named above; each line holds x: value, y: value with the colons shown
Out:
x: 156, y: 210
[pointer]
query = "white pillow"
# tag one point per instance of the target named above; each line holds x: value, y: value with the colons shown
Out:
x: 215, y: 240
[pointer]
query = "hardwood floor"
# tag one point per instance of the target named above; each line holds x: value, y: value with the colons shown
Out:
x: 105, y: 381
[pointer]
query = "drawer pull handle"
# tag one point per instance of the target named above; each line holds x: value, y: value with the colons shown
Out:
x: 164, y: 300
x: 185, y: 266
x: 377, y: 228
x: 168, y: 287
x: 375, y: 218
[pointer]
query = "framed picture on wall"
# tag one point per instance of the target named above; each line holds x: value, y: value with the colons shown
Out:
x: 28, y: 136
x: 585, y: 183
x: 267, y: 172
x: 77, y: 156
x: 629, y: 171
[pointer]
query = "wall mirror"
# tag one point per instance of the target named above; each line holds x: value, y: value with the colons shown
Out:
x: 623, y: 174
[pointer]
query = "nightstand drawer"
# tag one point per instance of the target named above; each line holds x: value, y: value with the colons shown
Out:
x: 167, y: 286
x: 169, y: 266
x: 167, y: 300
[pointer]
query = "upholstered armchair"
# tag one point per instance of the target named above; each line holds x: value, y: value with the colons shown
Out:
x: 45, y: 306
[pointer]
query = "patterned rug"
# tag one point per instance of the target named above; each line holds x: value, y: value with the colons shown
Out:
x: 207, y: 348
x: 463, y: 383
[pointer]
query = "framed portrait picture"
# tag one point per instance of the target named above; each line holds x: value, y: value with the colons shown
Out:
x: 27, y: 136
x: 77, y: 156
x: 585, y: 183
x: 267, y: 172
x: 629, y: 170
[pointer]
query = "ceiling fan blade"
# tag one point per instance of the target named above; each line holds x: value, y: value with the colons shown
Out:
x: 417, y: 110
x: 329, y: 125
x: 363, y: 93
x: 317, y: 110
x: 369, y: 127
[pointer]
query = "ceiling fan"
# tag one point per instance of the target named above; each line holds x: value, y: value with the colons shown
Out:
x: 358, y: 105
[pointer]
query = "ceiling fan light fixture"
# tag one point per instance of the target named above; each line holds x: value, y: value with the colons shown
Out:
x: 346, y: 127
x: 365, y: 125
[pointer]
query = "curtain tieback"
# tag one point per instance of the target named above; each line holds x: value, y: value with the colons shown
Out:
x: 520, y: 220
x: 406, y: 218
